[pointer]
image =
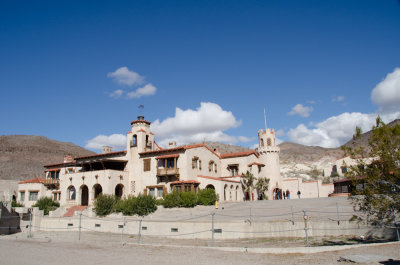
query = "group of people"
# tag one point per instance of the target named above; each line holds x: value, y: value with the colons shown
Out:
x: 278, y: 194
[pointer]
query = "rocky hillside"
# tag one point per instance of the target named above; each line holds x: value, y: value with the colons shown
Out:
x: 23, y: 156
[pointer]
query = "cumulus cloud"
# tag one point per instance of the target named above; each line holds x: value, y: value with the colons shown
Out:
x: 338, y: 99
x: 301, y: 110
x: 124, y: 76
x: 117, y: 93
x: 147, y: 90
x: 117, y: 141
x: 386, y: 94
x: 336, y: 130
x: 206, y: 123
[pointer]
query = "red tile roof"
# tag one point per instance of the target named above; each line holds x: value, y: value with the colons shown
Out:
x: 219, y: 179
x: 102, y: 155
x: 185, y: 182
x: 140, y: 121
x: 34, y: 180
x: 141, y: 130
x: 256, y: 163
x: 245, y: 153
x: 53, y: 169
x: 167, y: 156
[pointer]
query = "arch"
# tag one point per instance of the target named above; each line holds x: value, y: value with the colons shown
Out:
x: 71, y: 193
x: 97, y: 190
x: 230, y: 193
x: 225, y: 188
x: 269, y: 142
x: 210, y: 186
x: 237, y: 192
x: 134, y: 140
x: 119, y: 190
x: 262, y: 142
x: 84, y: 190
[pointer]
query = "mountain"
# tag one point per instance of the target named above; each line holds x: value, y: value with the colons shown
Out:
x: 23, y: 156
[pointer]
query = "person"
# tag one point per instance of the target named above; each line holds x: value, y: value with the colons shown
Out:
x: 284, y: 195
x: 273, y: 195
x: 299, y: 194
x: 288, y: 194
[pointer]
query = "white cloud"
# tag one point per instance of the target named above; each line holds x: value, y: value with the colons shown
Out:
x: 117, y: 93
x: 336, y: 130
x: 245, y: 139
x: 117, y: 141
x: 147, y: 90
x: 386, y: 94
x: 206, y: 123
x: 280, y: 133
x: 338, y: 99
x: 124, y: 76
x: 301, y: 110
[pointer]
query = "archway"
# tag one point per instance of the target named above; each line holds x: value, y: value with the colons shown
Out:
x: 225, y: 188
x: 237, y: 191
x: 71, y: 193
x: 97, y: 190
x: 84, y: 195
x: 119, y: 190
x: 209, y: 186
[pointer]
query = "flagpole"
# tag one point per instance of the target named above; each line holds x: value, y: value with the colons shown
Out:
x: 265, y: 120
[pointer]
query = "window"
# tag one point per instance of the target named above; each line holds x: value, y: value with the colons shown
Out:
x: 152, y: 192
x: 22, y: 196
x: 33, y: 195
x: 269, y: 143
x: 170, y: 163
x: 234, y: 169
x: 196, y: 163
x: 146, y: 164
x: 71, y: 193
x: 211, y: 166
x: 70, y: 170
x: 262, y: 142
x: 134, y: 141
x: 344, y: 170
x: 160, y: 192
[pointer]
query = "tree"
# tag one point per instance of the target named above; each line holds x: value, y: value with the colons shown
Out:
x: 262, y: 186
x: 46, y: 204
x: 376, y: 175
x: 247, y: 181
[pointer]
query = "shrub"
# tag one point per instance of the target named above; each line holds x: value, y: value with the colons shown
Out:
x: 46, y: 204
x: 188, y: 199
x: 172, y: 199
x: 105, y: 204
x: 127, y: 206
x: 207, y: 197
x: 160, y: 201
x: 145, y: 204
x: 14, y: 203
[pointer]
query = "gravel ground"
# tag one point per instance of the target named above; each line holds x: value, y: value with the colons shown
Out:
x: 64, y: 248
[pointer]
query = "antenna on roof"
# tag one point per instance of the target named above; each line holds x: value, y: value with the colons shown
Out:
x: 265, y: 120
x: 141, y: 107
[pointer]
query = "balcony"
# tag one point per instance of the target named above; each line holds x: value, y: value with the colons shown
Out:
x: 167, y: 171
x: 52, y: 182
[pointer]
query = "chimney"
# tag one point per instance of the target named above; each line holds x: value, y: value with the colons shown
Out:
x: 140, y: 118
x: 68, y: 159
x: 172, y: 144
x: 106, y: 149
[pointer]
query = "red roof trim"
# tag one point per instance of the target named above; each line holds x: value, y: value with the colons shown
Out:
x: 237, y: 176
x: 219, y: 179
x: 61, y: 164
x: 140, y: 121
x: 34, y: 180
x: 185, y: 182
x: 256, y: 163
x: 245, y: 153
x: 102, y: 155
x: 167, y: 156
x: 53, y: 169
x: 141, y: 130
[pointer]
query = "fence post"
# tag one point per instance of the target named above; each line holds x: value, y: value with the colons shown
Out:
x: 212, y: 229
x: 80, y: 222
x: 291, y: 209
x: 122, y: 232
x: 337, y: 212
x: 139, y: 232
x: 305, y: 217
x: 251, y: 217
x: 395, y: 226
x: 30, y: 225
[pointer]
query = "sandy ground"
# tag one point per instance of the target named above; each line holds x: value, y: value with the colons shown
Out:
x: 64, y: 248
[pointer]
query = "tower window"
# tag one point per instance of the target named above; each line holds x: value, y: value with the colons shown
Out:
x: 269, y: 143
x: 134, y: 141
x: 262, y: 142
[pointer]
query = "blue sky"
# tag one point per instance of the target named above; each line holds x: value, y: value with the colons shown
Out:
x: 77, y: 71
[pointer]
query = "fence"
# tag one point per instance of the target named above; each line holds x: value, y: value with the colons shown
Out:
x: 210, y: 227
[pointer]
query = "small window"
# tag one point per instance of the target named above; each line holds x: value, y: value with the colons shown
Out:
x: 234, y: 169
x: 269, y: 142
x: 160, y: 192
x: 195, y: 162
x: 22, y: 196
x: 344, y: 170
x: 134, y: 141
x: 146, y: 164
x: 170, y: 163
x: 33, y: 195
x: 152, y: 192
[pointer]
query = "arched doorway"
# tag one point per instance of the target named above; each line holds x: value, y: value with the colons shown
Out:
x: 84, y: 195
x: 237, y: 191
x: 209, y: 186
x: 71, y: 193
x: 225, y: 188
x: 119, y: 190
x: 97, y: 190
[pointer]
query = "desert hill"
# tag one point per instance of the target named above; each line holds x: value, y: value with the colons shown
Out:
x: 23, y: 156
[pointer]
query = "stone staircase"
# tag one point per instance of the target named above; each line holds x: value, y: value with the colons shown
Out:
x: 71, y: 211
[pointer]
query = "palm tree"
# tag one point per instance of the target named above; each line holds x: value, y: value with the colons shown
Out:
x: 262, y: 186
x: 247, y: 181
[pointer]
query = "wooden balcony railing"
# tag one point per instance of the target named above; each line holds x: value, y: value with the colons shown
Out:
x: 51, y: 181
x: 167, y: 171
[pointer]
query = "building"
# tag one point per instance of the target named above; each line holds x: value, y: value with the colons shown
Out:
x: 144, y: 167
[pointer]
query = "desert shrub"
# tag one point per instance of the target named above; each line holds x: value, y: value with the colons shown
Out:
x: 127, y: 206
x: 207, y: 197
x: 14, y: 203
x: 172, y: 199
x: 46, y: 204
x: 188, y: 199
x: 160, y: 201
x: 104, y: 204
x: 145, y: 204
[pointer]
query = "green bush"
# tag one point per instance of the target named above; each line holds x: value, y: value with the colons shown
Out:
x: 207, y: 197
x: 172, y: 199
x: 160, y: 201
x: 46, y: 204
x: 188, y: 199
x: 14, y: 203
x: 105, y: 204
x: 127, y: 206
x: 145, y: 204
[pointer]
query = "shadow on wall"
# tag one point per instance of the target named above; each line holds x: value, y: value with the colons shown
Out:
x: 9, y: 220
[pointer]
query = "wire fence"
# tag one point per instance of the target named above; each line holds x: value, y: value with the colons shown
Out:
x: 211, y: 227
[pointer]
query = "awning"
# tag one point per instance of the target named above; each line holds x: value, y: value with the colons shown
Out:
x: 167, y: 156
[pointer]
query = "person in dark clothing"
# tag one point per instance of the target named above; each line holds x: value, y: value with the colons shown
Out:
x: 288, y: 194
x: 299, y: 194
